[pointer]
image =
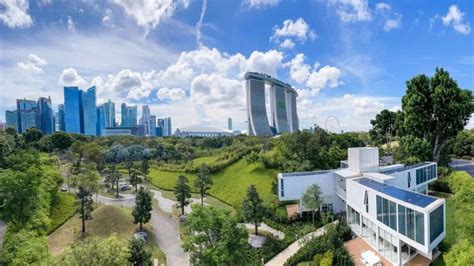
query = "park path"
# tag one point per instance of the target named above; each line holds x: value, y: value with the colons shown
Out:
x: 291, y: 250
x: 264, y: 227
x: 3, y: 229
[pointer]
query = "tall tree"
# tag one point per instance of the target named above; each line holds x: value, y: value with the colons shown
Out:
x: 182, y: 191
x: 138, y: 255
x: 436, y: 109
x: 145, y: 167
x: 32, y: 135
x: 142, y: 211
x: 312, y: 199
x: 90, y: 179
x: 135, y: 179
x: 85, y: 206
x: 383, y: 127
x: 203, y: 181
x: 113, y: 177
x: 253, y: 207
x: 61, y: 140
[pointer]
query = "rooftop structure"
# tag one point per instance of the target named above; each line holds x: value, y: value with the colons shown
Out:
x: 200, y: 131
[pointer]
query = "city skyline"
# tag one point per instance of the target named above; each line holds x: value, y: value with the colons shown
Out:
x: 345, y: 60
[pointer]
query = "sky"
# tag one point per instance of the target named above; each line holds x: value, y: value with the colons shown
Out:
x: 348, y: 59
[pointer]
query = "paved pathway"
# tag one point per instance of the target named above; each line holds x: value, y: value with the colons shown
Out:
x: 463, y: 165
x: 283, y: 256
x: 3, y: 229
x: 169, y: 205
x: 264, y: 227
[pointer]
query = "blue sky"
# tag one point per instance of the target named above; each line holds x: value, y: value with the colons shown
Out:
x: 186, y: 58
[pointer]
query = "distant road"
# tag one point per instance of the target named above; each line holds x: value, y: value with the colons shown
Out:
x: 463, y: 165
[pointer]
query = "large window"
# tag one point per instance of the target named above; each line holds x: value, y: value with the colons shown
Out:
x: 426, y: 173
x: 402, y: 220
x: 393, y: 215
x: 282, y: 188
x: 436, y: 222
x: 387, y: 212
x: 411, y: 224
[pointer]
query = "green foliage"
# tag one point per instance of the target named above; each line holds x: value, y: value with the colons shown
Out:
x: 182, y: 191
x: 61, y: 140
x: 7, y: 145
x: 252, y: 207
x: 110, y: 251
x: 252, y: 157
x: 217, y: 239
x: 323, y: 259
x: 460, y: 254
x: 463, y: 144
x: 84, y: 198
x: 135, y: 179
x: 145, y: 167
x: 311, y: 199
x: 138, y: 255
x: 383, y: 127
x: 203, y: 181
x: 32, y: 135
x: 413, y: 150
x: 63, y: 207
x: 24, y: 247
x: 142, y: 211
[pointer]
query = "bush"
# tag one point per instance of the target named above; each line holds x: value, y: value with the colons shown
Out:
x: 63, y: 207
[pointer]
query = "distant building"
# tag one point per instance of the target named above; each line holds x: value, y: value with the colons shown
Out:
x: 229, y: 123
x: 202, y: 132
x: 11, y: 118
x: 101, y: 120
x: 167, y: 127
x: 73, y: 110
x: 109, y: 114
x: 159, y: 131
x: 28, y: 115
x: 152, y: 125
x: 3, y: 126
x: 89, y: 111
x: 60, y: 118
x: 118, y: 131
x: 129, y: 115
x: 140, y: 130
x: 148, y: 121
x: 123, y: 115
x: 46, y: 115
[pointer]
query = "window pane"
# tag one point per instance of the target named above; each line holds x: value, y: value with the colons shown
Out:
x: 436, y: 223
x: 420, y: 228
x: 410, y: 223
x: 401, y: 220
x: 379, y: 208
x: 385, y: 211
x: 393, y: 215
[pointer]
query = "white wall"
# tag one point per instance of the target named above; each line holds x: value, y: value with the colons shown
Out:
x: 296, y: 185
x: 365, y: 159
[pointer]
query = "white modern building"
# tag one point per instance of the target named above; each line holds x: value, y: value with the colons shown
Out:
x: 200, y: 131
x: 386, y: 206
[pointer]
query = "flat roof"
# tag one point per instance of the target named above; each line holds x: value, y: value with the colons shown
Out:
x: 406, y: 168
x: 347, y: 173
x: 319, y: 172
x: 414, y: 198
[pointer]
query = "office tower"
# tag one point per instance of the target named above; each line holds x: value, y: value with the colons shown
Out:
x: 89, y: 112
x: 284, y: 117
x: 11, y: 118
x: 167, y: 127
x: 160, y: 124
x: 124, y: 116
x: 60, y: 118
x: 132, y: 116
x: 46, y: 115
x: 145, y: 113
x: 101, y: 120
x: 229, y: 123
x: 73, y: 117
x: 28, y: 115
x: 152, y: 125
x: 109, y: 114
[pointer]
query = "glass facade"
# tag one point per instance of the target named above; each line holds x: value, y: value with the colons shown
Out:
x: 28, y: 115
x: 278, y: 107
x: 61, y: 123
x: 436, y: 223
x: 109, y: 114
x: 46, y: 115
x: 89, y: 111
x: 282, y: 188
x: 426, y: 173
x: 73, y: 110
x: 387, y: 212
x: 11, y: 118
x: 258, y: 120
x: 101, y: 120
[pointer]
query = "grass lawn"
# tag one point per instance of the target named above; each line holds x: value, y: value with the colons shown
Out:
x: 63, y: 207
x: 206, y: 160
x: 106, y: 220
x: 229, y: 185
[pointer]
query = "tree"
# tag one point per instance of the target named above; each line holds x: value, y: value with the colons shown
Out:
x: 217, y: 239
x: 252, y: 157
x: 383, y: 127
x: 462, y: 253
x: 113, y: 177
x: 253, y: 207
x: 61, y: 140
x: 142, y: 211
x: 90, y: 179
x: 32, y: 135
x: 182, y: 191
x: 138, y: 255
x: 203, y: 181
x: 413, y: 150
x: 85, y: 206
x: 145, y: 167
x: 436, y: 109
x: 311, y: 199
x: 135, y: 179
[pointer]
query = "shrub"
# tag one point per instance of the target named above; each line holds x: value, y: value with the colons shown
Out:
x: 63, y: 207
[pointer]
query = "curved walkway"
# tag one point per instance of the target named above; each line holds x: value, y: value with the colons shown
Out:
x: 265, y: 228
x: 292, y: 249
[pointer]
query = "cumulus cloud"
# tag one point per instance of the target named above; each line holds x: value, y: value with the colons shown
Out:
x: 353, y: 10
x: 14, y: 13
x: 260, y: 3
x: 287, y: 44
x: 33, y: 64
x: 393, y: 23
x: 299, y: 71
x: 71, y: 25
x: 173, y: 94
x: 70, y: 77
x: 149, y: 13
x: 454, y: 18
x: 214, y: 89
x: 107, y: 18
x: 382, y: 6
x: 297, y: 29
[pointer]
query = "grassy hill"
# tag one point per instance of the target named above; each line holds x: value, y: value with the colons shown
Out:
x: 229, y: 184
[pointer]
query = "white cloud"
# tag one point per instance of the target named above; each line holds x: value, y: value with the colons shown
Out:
x: 33, y: 64
x: 455, y: 18
x: 70, y: 77
x: 14, y: 13
x: 327, y: 76
x: 107, y: 18
x: 299, y: 71
x: 265, y: 62
x: 382, y: 6
x: 199, y: 24
x: 364, y: 105
x: 71, y: 25
x: 260, y: 3
x: 214, y: 89
x: 287, y: 44
x: 173, y: 94
x: 393, y: 23
x: 149, y: 13
x: 298, y: 29
x: 353, y: 10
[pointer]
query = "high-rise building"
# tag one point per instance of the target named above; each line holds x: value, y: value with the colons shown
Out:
x: 89, y: 111
x: 11, y: 118
x: 229, y: 123
x: 123, y: 115
x: 129, y: 115
x: 148, y: 121
x: 152, y: 125
x: 109, y: 114
x: 167, y: 127
x: 73, y: 117
x: 60, y: 118
x: 46, y: 114
x: 28, y: 114
x: 101, y: 120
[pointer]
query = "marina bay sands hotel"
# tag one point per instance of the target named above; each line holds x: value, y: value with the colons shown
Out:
x: 283, y: 115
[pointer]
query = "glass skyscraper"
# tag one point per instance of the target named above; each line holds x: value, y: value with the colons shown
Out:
x: 46, y: 115
x: 129, y: 115
x: 11, y: 118
x: 28, y: 114
x: 124, y: 116
x: 89, y: 112
x: 167, y: 127
x: 60, y: 119
x: 101, y: 120
x: 73, y: 110
x: 109, y: 114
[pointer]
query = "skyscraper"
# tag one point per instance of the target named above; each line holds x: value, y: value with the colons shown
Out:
x: 152, y: 125
x: 60, y: 118
x: 132, y: 116
x: 101, y: 120
x: 89, y: 111
x: 73, y: 110
x: 229, y: 123
x: 124, y: 116
x: 109, y: 114
x: 167, y: 127
x: 46, y: 115
x: 11, y: 118
x: 148, y: 121
x: 28, y: 114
